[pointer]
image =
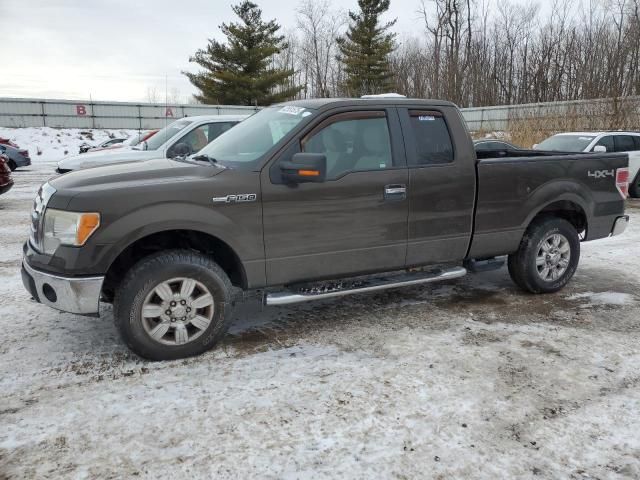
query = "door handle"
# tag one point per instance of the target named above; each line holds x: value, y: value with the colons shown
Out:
x: 395, y: 192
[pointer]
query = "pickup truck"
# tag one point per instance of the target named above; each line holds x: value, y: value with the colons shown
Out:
x: 310, y: 200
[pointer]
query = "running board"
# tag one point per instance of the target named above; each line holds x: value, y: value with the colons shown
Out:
x: 369, y: 285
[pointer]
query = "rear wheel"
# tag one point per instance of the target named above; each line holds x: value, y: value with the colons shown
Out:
x: 173, y: 304
x: 547, y: 257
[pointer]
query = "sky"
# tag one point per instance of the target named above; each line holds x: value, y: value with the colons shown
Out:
x: 119, y: 49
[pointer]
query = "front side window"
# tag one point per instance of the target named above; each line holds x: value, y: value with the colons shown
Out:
x: 166, y: 133
x: 607, y: 142
x: 624, y: 143
x: 433, y: 142
x: 201, y: 136
x: 352, y: 142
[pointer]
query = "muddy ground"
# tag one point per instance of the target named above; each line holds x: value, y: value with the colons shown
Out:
x: 466, y: 379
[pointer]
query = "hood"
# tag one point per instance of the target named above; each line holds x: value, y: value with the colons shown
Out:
x: 105, y: 157
x: 131, y: 174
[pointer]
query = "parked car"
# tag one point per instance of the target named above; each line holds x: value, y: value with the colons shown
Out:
x: 18, y: 157
x: 182, y: 137
x: 309, y: 200
x: 6, y: 182
x: 492, y: 144
x: 85, y: 147
x: 601, y: 142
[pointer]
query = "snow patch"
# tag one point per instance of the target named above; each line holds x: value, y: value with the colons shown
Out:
x: 604, y: 298
x: 46, y: 144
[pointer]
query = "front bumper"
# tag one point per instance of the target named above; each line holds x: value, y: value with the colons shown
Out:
x: 620, y: 225
x: 79, y: 295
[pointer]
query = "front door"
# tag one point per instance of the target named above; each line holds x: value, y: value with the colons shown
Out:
x: 354, y: 222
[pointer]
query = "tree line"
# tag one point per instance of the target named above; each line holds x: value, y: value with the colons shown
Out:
x: 466, y: 51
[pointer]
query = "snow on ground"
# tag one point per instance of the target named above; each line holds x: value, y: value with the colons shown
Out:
x: 466, y: 379
x: 46, y: 144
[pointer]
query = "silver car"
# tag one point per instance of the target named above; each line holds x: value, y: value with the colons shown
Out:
x: 182, y: 137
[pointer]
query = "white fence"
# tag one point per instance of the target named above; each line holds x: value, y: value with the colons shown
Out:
x: 25, y: 112
x: 22, y: 112
x: 599, y: 114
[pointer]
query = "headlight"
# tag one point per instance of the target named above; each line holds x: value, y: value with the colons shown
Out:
x: 67, y: 228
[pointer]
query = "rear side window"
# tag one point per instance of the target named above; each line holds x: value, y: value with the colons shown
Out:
x: 636, y: 139
x: 433, y: 142
x: 624, y: 143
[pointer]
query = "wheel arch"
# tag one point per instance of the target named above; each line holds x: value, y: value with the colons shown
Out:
x: 570, y: 209
x: 219, y: 250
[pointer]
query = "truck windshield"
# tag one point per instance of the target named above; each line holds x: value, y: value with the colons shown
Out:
x: 166, y: 133
x: 566, y: 143
x: 253, y: 137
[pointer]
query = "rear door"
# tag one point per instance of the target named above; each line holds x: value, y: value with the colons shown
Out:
x: 354, y: 222
x: 441, y: 185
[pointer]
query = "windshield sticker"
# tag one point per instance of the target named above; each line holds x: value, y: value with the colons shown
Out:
x: 306, y: 114
x: 291, y: 110
x: 586, y: 139
x: 426, y: 118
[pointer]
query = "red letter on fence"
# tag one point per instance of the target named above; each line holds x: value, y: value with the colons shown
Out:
x: 81, y: 110
x: 168, y: 113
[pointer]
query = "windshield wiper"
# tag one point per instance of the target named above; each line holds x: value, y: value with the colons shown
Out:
x: 204, y: 156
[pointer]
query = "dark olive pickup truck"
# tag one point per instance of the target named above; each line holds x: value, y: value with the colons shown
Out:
x: 308, y: 200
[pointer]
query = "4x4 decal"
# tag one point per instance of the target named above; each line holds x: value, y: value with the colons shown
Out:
x: 601, y: 173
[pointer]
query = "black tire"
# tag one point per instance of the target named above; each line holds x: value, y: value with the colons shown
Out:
x: 148, y: 273
x: 12, y: 165
x: 522, y: 264
x: 634, y: 187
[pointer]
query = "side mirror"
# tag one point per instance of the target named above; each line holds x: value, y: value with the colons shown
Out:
x: 534, y: 146
x: 179, y: 150
x: 600, y: 149
x: 305, y: 167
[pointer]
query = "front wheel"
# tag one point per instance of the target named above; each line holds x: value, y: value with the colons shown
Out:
x: 547, y: 257
x: 12, y: 165
x: 173, y: 304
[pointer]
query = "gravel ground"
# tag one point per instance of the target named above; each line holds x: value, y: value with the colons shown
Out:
x: 466, y: 379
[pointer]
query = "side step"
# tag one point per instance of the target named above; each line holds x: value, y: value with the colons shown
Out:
x: 364, y: 286
x: 485, y: 264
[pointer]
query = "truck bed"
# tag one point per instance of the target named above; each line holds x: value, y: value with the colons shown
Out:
x: 512, y: 190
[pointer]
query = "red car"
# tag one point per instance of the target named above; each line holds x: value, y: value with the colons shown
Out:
x: 6, y: 182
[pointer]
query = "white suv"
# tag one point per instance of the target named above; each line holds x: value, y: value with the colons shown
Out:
x: 601, y: 142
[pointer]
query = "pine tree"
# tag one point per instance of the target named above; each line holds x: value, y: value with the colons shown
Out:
x: 240, y: 72
x: 365, y: 49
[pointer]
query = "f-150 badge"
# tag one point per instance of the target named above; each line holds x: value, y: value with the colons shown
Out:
x: 240, y: 197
